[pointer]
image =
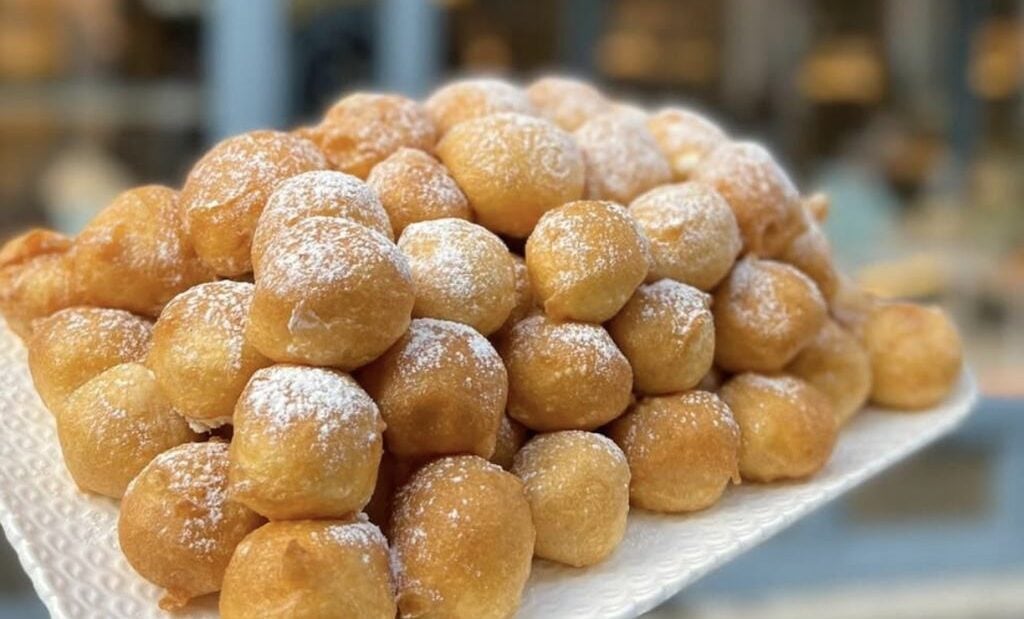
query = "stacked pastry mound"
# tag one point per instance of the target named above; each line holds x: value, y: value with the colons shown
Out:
x: 377, y: 365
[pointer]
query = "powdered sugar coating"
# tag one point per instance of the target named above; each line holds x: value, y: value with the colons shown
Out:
x: 692, y: 231
x: 413, y: 186
x: 461, y: 272
x: 658, y: 418
x: 684, y: 137
x: 622, y: 159
x: 467, y: 99
x: 566, y: 101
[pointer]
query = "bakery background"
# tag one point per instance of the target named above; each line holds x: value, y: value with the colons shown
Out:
x: 908, y: 113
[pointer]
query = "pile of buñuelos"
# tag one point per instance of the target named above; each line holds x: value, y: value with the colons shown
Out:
x: 377, y: 365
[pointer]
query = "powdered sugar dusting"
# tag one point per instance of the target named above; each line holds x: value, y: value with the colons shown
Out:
x: 359, y: 535
x: 413, y: 186
x: 222, y: 306
x: 622, y: 159
x: 754, y: 296
x: 567, y: 102
x: 682, y: 305
x: 475, y: 98
x: 129, y: 333
x: 431, y: 344
x: 684, y: 137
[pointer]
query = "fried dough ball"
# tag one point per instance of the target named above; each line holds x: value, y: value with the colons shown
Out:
x: 812, y: 254
x: 34, y: 278
x: 441, y: 389
x: 319, y: 193
x: 818, y: 205
x: 585, y: 260
x: 226, y: 190
x: 761, y: 195
x: 461, y: 272
x: 682, y: 449
x: 200, y: 355
x: 413, y: 187
x: 468, y: 99
x: 75, y: 344
x: 692, y: 231
x: 916, y: 355
x: 512, y: 435
x: 113, y: 425
x: 622, y: 159
x: 134, y: 255
x: 765, y: 313
x: 307, y: 444
x: 363, y: 129
x: 310, y: 568
x: 577, y: 484
x: 668, y: 334
x: 178, y: 525
x: 523, y: 295
x: 513, y: 168
x: 564, y: 375
x: 567, y: 102
x: 685, y: 138
x: 462, y: 540
x: 851, y: 305
x: 787, y: 427
x: 837, y: 365
x: 330, y: 292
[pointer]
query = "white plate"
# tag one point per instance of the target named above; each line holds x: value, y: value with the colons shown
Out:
x: 67, y: 541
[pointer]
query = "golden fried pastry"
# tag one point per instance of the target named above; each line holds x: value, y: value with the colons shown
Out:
x: 468, y: 99
x: 564, y: 375
x: 761, y: 195
x: 134, y: 255
x: 851, y: 305
x: 713, y: 380
x: 441, y: 389
x: 836, y: 364
x: 461, y: 272
x: 34, y: 278
x: 307, y: 444
x: 178, y: 526
x: 462, y: 540
x: 113, y: 425
x: 199, y: 353
x: 682, y: 450
x: 310, y: 568
x: 525, y: 302
x: 692, y: 231
x: 75, y: 344
x: 622, y: 159
x: 226, y: 190
x: 363, y: 129
x: 916, y: 355
x: 685, y: 138
x: 765, y: 313
x: 812, y: 254
x: 787, y: 426
x: 319, y: 193
x: 668, y: 334
x: 513, y: 168
x: 567, y: 102
x: 378, y: 508
x: 512, y: 435
x: 817, y: 205
x: 585, y: 260
x: 577, y: 484
x: 330, y: 292
x: 413, y: 187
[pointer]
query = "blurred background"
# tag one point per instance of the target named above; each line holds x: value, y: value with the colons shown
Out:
x: 908, y: 113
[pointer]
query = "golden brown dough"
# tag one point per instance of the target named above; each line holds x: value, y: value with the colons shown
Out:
x: 668, y: 334
x: 585, y: 259
x: 622, y: 159
x: 307, y: 444
x: 567, y: 102
x: 468, y: 99
x: 513, y: 168
x: 113, y: 425
x: 441, y: 389
x: 765, y: 313
x: 682, y: 449
x: 916, y: 355
x: 512, y: 435
x: 685, y: 138
x: 787, y: 426
x: 564, y: 376
x: 812, y: 254
x: 178, y: 526
x: 310, y: 568
x: 836, y: 364
x: 34, y: 278
x: 226, y: 190
x: 199, y: 353
x: 692, y: 231
x: 577, y: 484
x: 134, y: 255
x: 75, y: 344
x: 462, y: 541
x: 413, y: 187
x: 525, y: 302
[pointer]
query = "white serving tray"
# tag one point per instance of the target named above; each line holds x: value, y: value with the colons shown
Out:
x: 67, y: 541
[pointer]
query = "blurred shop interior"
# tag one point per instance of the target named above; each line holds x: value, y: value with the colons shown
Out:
x: 908, y: 113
